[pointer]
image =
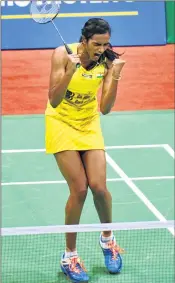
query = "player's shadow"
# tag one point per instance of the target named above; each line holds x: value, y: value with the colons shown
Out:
x: 95, y: 274
x: 101, y: 271
x: 63, y: 279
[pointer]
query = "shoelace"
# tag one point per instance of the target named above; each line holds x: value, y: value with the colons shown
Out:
x: 115, y: 249
x: 73, y: 265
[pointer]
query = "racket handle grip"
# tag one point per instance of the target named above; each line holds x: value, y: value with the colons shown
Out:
x: 69, y: 51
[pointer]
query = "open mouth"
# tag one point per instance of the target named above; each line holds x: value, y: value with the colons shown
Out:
x: 97, y: 56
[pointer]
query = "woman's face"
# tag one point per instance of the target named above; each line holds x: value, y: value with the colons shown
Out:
x: 96, y: 45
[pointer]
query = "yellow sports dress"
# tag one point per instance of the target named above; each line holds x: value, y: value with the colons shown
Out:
x: 75, y: 123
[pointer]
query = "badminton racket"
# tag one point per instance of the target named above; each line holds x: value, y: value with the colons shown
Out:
x: 44, y: 12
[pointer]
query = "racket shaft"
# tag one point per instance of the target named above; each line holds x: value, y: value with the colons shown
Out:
x: 58, y: 32
x: 69, y: 51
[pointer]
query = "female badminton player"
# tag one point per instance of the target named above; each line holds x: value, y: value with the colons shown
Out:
x: 74, y: 136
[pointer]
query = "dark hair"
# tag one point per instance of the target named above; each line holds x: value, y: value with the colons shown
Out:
x: 99, y: 26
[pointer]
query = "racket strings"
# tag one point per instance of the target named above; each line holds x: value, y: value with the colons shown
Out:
x: 44, y: 13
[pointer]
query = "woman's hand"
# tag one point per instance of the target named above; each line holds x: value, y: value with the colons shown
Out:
x: 117, y: 66
x: 73, y: 61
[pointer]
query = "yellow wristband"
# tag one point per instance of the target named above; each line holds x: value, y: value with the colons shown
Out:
x: 116, y: 79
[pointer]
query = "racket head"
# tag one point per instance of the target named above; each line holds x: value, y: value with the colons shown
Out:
x: 44, y: 11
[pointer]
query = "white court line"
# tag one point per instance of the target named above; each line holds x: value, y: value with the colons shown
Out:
x: 135, y: 146
x: 107, y: 147
x: 23, y: 150
x: 137, y: 191
x: 169, y: 149
x: 108, y: 180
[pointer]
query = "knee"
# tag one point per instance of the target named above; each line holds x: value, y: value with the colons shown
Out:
x: 98, y: 189
x: 79, y: 192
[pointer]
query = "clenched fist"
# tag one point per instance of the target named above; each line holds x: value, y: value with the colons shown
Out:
x: 73, y: 61
x: 117, y: 66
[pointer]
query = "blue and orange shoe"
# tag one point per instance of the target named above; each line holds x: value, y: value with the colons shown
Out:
x: 113, y: 259
x: 74, y: 269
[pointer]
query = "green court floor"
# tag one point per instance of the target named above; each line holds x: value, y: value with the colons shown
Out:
x: 140, y: 177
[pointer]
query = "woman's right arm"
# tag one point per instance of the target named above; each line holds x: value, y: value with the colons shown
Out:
x: 63, y: 67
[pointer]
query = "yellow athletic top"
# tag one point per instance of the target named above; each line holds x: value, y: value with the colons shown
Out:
x: 80, y: 102
x: 75, y: 123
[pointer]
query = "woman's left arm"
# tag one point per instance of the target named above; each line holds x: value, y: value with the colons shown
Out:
x: 109, y: 89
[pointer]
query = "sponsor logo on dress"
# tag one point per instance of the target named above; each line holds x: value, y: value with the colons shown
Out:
x: 88, y: 76
x: 79, y: 99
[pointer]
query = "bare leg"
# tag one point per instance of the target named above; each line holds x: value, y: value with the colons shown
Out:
x: 71, y: 166
x: 95, y: 166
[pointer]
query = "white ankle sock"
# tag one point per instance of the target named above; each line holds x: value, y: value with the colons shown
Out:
x: 70, y: 254
x: 106, y: 239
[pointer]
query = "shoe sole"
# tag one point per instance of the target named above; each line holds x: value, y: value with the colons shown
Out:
x: 72, y: 281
